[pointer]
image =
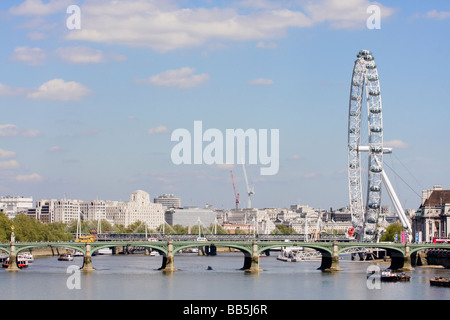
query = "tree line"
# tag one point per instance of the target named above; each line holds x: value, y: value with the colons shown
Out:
x: 30, y: 229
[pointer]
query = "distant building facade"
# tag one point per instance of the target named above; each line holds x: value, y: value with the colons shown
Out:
x: 168, y: 200
x: 12, y: 206
x: 432, y: 219
x: 191, y: 216
x: 139, y: 208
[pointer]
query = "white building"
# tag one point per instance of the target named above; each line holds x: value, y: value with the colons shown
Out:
x: 66, y: 210
x: 14, y: 205
x: 260, y: 220
x: 93, y: 210
x: 168, y: 201
x: 139, y: 208
x: 191, y: 216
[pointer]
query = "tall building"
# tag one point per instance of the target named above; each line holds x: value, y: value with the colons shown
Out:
x: 432, y: 219
x: 139, y: 208
x: 66, y: 210
x: 190, y: 216
x: 168, y: 200
x: 93, y: 210
x: 14, y: 205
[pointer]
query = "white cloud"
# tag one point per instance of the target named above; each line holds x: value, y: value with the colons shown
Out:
x: 38, y: 8
x: 261, y: 81
x: 10, y: 164
x: 73, y: 54
x: 349, y: 14
x: 312, y: 175
x: 164, y: 26
x: 438, y: 15
x: 224, y: 166
x: 11, y: 130
x: 8, y: 130
x: 7, y: 154
x: 266, y: 45
x: 58, y: 89
x: 399, y: 144
x: 295, y: 157
x: 29, y: 56
x: 31, y: 133
x: 158, y: 130
x: 10, y: 91
x: 34, y: 177
x: 80, y: 54
x: 183, y: 78
x: 54, y: 149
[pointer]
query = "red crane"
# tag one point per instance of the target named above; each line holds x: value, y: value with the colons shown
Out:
x: 236, y: 195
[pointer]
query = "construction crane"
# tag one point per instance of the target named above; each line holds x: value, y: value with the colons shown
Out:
x: 236, y: 195
x: 249, y: 191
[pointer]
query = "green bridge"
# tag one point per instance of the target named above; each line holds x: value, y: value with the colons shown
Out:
x: 400, y: 253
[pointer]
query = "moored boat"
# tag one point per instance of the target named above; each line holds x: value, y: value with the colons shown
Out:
x: 154, y: 253
x: 25, y: 257
x: 65, y: 257
x: 297, y: 254
x: 103, y: 251
x: 440, y: 282
x: 20, y: 263
x: 388, y: 276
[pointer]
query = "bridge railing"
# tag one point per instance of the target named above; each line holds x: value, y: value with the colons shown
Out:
x: 211, y: 237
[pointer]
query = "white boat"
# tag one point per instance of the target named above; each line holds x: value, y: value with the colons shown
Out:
x: 104, y: 251
x: 25, y: 257
x: 65, y: 257
x: 154, y: 253
x: 298, y: 254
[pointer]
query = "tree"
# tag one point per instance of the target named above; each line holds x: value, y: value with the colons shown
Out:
x: 283, y: 229
x: 391, y: 230
x: 5, y: 227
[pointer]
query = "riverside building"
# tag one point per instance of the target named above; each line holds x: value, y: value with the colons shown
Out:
x: 168, y: 201
x: 432, y: 219
x: 139, y: 208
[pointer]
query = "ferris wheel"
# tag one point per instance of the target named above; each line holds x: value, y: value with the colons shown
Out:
x: 365, y: 87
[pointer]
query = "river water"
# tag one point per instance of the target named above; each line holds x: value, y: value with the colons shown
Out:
x: 121, y: 277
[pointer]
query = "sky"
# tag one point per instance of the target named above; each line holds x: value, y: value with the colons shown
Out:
x: 91, y: 92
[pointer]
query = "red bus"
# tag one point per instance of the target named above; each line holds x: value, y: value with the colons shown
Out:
x: 441, y: 240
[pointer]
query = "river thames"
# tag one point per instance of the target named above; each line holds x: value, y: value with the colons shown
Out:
x: 122, y: 277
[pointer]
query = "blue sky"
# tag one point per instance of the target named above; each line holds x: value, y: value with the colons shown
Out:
x: 89, y: 113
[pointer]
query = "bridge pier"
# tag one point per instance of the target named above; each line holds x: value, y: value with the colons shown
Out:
x: 168, y: 264
x: 87, y: 260
x: 12, y: 263
x: 330, y: 263
x: 251, y: 261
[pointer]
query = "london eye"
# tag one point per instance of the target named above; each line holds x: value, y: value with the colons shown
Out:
x: 365, y: 90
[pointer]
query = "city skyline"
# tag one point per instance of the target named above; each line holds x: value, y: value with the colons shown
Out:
x: 89, y: 112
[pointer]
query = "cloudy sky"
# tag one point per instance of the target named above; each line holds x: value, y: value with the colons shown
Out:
x: 90, y: 95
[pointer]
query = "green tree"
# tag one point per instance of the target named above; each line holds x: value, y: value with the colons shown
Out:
x: 391, y: 230
x: 5, y: 227
x: 283, y: 229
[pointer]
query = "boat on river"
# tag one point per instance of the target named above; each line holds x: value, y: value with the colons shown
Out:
x: 297, y: 254
x: 440, y: 282
x: 20, y: 263
x: 25, y: 257
x: 388, y: 276
x: 103, y: 251
x: 65, y: 257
